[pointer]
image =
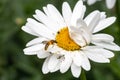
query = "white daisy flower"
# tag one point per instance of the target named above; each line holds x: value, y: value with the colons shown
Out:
x: 69, y: 40
x: 110, y: 3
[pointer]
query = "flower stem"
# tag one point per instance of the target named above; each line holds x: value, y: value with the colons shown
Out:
x: 83, y: 76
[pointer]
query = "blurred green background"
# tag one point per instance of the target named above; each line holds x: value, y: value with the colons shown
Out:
x: 14, y: 65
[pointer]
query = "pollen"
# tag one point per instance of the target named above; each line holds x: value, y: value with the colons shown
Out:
x: 64, y: 41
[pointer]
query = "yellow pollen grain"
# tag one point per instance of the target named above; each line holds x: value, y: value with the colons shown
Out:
x: 64, y: 41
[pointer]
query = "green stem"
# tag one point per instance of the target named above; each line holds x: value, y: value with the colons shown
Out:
x: 83, y: 76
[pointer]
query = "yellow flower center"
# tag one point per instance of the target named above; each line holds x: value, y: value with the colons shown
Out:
x: 64, y: 41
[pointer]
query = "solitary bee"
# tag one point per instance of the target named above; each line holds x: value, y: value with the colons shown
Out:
x: 47, y: 43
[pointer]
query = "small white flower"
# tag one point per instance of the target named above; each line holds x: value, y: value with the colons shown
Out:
x: 69, y: 40
x: 110, y: 3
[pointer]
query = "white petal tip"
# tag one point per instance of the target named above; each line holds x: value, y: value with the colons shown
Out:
x: 29, y: 53
x: 62, y: 71
x: 117, y: 48
x: 37, y: 10
x: 114, y: 19
x: 112, y: 55
x: 22, y: 27
x: 107, y: 61
x: 65, y: 3
x: 34, y: 16
x: 49, y: 5
x: 45, y: 72
x: 28, y: 19
x: 88, y: 69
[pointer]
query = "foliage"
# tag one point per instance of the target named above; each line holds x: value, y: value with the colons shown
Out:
x: 14, y: 65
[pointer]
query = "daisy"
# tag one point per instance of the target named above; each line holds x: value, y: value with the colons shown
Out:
x: 110, y: 3
x: 69, y: 41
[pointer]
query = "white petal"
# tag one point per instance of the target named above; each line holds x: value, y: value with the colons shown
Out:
x: 43, y: 54
x: 57, y: 67
x: 102, y: 37
x: 107, y: 45
x: 28, y: 30
x: 78, y: 39
x: 90, y: 2
x: 66, y: 63
x: 76, y: 71
x: 46, y: 11
x: 102, y: 15
x: 55, y: 14
x: 35, y: 41
x: 78, y: 34
x: 78, y: 12
x: 110, y: 3
x: 53, y: 62
x: 90, y: 16
x: 80, y: 24
x: 94, y: 56
x: 86, y: 36
x: 31, y: 53
x: 52, y: 22
x: 107, y: 53
x: 77, y: 59
x: 54, y: 49
x: 85, y: 62
x: 90, y: 48
x: 40, y: 16
x: 99, y: 50
x: 34, y: 48
x: 40, y: 29
x: 92, y: 20
x: 45, y: 69
x: 67, y: 13
x: 104, y: 24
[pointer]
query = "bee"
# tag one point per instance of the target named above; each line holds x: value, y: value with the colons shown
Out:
x: 48, y: 43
